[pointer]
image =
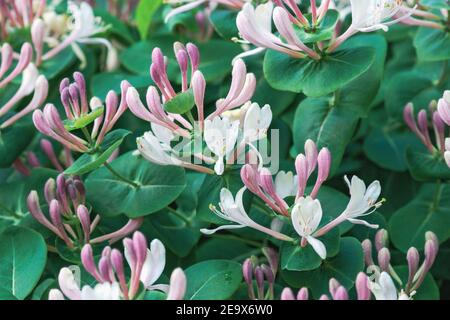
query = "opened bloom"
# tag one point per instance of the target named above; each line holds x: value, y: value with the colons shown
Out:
x: 306, y: 216
x: 232, y: 209
x: 146, y: 265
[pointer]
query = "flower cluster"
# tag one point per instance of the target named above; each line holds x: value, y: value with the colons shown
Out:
x: 146, y: 266
x: 306, y: 212
x: 440, y: 120
x: 69, y: 215
x: 31, y: 82
x: 221, y: 132
x: 79, y: 113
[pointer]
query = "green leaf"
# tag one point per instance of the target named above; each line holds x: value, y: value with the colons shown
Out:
x: 23, y: 255
x: 296, y: 258
x: 102, y: 83
x: 213, y: 280
x: 436, y: 4
x: 229, y: 249
x: 344, y: 267
x: 220, y: 19
x: 175, y: 233
x: 432, y: 44
x: 83, y: 121
x: 425, y: 166
x: 116, y: 26
x: 88, y: 162
x: 157, y: 187
x: 14, y: 140
x: 428, y: 211
x: 327, y: 125
x: 144, y: 14
x: 57, y: 65
x: 386, y: 147
x: 316, y: 78
x: 181, y: 103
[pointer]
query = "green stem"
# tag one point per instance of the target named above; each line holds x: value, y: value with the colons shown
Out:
x: 87, y: 135
x: 121, y: 177
x: 179, y: 215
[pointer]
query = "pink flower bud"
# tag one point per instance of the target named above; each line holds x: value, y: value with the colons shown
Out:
x: 384, y: 259
x: 194, y: 56
x: 367, y: 249
x: 324, y: 164
x: 287, y: 294
x: 37, y: 36
x: 140, y: 247
x: 36, y: 212
x: 301, y: 167
x: 311, y: 156
x: 303, y: 294
x: 272, y: 258
x: 324, y: 297
x: 47, y: 148
x: 178, y: 283
x: 431, y: 249
x: 85, y: 221
x: 413, y: 259
x: 247, y: 271
x: 198, y: 85
x: 362, y: 286
x: 381, y: 239
x: 259, y: 276
x: 87, y: 259
x: 444, y: 110
x: 50, y: 190
x: 341, y: 294
x: 117, y: 264
x: 333, y: 285
x: 55, y: 216
x: 158, y: 60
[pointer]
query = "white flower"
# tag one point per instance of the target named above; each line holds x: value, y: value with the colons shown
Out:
x: 361, y: 200
x: 383, y: 288
x: 371, y: 15
x: 220, y: 136
x: 69, y: 283
x: 85, y: 24
x: 306, y: 216
x: 447, y: 151
x: 233, y: 210
x: 286, y: 184
x: 154, y: 264
x: 156, y: 149
x: 256, y: 123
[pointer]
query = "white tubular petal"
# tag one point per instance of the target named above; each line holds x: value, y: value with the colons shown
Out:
x: 154, y: 263
x: 318, y: 247
x: 365, y: 223
x: 69, y: 285
x: 55, y: 294
x: 226, y: 227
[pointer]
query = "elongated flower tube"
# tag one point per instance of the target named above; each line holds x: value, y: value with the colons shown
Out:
x: 232, y: 209
x: 79, y: 113
x: 70, y: 218
x: 372, y: 15
x: 146, y: 266
x: 82, y: 29
x: 255, y: 26
x: 177, y: 138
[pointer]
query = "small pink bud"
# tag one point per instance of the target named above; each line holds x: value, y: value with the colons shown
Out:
x: 303, y: 294
x: 324, y: 297
x: 367, y: 249
x: 287, y: 294
x: 81, y: 84
x: 272, y: 258
x: 85, y: 221
x: 362, y: 286
x: 384, y: 259
x: 194, y: 56
x: 87, y: 259
x: 413, y: 259
x: 301, y: 167
x: 341, y: 294
x: 311, y: 155
x: 333, y: 285
x: 50, y: 190
x: 259, y: 276
x: 381, y: 239
x: 247, y: 271
x: 177, y: 287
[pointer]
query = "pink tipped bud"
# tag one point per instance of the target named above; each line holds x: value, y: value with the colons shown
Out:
x: 272, y: 257
x: 362, y: 286
x: 270, y: 277
x: 247, y: 271
x: 303, y: 294
x: 183, y: 60
x: 301, y: 167
x: 140, y: 246
x: 381, y: 239
x: 194, y: 56
x: 311, y: 155
x: 50, y: 190
x: 105, y: 269
x: 408, y: 117
x: 341, y: 294
x: 177, y: 287
x: 431, y: 249
x: 37, y: 36
x: 85, y: 221
x: 198, y: 85
x: 250, y: 178
x: 367, y: 249
x: 444, y: 108
x: 36, y: 212
x: 324, y: 163
x: 324, y: 297
x: 87, y: 259
x: 158, y: 60
x: 287, y: 294
x: 259, y: 276
x: 333, y: 285
x: 384, y: 259
x: 81, y: 84
x: 413, y: 259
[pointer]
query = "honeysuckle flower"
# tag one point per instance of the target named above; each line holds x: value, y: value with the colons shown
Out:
x: 232, y: 209
x: 254, y: 25
x: 219, y: 131
x: 372, y: 15
x: 306, y: 216
x: 146, y: 267
x: 66, y: 199
x: 383, y: 288
x: 220, y: 136
x: 444, y: 107
x: 76, y: 107
x: 256, y: 122
x: 82, y: 27
x: 286, y: 184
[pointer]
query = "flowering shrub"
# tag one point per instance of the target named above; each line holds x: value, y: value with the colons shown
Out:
x: 269, y: 150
